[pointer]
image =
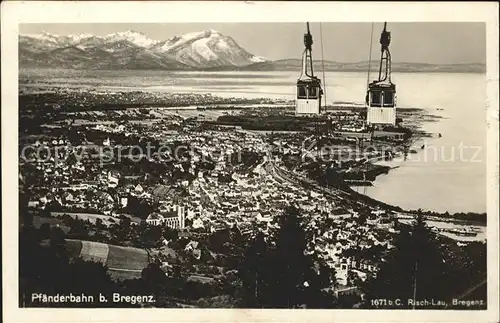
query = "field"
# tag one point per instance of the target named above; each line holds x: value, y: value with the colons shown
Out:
x: 122, y: 262
x: 204, y: 114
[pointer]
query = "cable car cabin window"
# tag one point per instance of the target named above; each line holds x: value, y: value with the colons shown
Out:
x: 376, y: 98
x: 301, y: 92
x: 388, y: 98
x: 313, y: 93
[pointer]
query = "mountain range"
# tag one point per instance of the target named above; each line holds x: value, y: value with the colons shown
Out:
x: 133, y: 50
x: 205, y: 50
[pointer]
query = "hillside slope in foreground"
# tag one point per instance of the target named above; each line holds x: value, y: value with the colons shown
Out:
x: 122, y: 262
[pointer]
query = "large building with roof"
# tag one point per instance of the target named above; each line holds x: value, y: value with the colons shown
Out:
x: 173, y: 217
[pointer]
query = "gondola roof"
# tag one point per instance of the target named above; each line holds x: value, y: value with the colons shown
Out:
x: 382, y: 85
x: 313, y: 80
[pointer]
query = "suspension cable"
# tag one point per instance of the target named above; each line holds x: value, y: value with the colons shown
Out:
x: 370, y: 59
x: 323, y: 63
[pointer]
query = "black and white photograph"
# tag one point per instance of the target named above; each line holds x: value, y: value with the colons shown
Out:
x: 298, y: 165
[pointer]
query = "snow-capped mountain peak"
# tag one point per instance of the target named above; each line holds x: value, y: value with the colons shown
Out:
x: 200, y: 34
x: 207, y: 48
x: 135, y: 37
x: 78, y: 37
x: 177, y: 41
x: 44, y: 36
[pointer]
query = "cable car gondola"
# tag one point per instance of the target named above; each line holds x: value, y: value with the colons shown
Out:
x: 309, y: 91
x: 381, y: 94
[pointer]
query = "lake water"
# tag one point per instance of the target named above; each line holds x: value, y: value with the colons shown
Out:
x: 448, y: 175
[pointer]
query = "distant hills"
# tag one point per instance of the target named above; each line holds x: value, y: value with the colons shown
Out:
x: 204, y: 50
x: 331, y: 66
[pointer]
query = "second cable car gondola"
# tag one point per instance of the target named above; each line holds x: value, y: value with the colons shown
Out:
x: 309, y: 91
x: 381, y: 94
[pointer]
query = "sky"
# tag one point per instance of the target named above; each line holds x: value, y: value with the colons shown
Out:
x: 417, y: 42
